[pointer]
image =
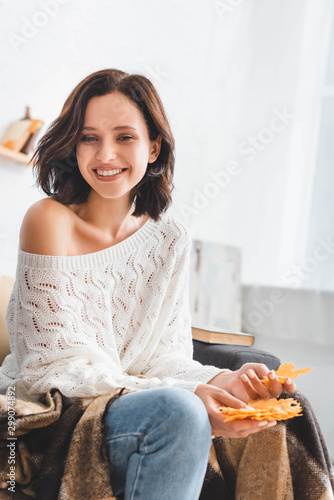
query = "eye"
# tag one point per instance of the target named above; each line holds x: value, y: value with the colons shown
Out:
x: 88, y: 138
x: 125, y: 137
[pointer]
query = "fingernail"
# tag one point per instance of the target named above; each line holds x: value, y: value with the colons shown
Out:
x: 251, y: 374
x: 271, y: 424
x: 244, y: 378
x: 272, y: 376
x: 288, y: 380
x: 262, y: 423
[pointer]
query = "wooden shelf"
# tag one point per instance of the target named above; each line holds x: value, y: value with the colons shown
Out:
x: 13, y: 155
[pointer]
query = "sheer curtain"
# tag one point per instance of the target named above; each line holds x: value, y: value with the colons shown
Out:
x: 318, y: 268
x: 249, y: 172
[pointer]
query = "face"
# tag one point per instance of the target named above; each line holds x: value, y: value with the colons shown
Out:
x: 114, y: 147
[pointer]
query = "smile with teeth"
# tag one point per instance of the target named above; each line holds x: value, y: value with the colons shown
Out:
x: 106, y: 173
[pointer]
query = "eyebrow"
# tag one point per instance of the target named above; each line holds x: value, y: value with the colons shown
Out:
x: 120, y: 127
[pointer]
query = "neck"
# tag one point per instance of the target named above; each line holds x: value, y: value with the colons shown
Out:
x: 111, y: 217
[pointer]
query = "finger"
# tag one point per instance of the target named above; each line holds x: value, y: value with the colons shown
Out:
x: 227, y: 399
x: 252, y: 394
x: 260, y: 369
x: 275, y: 387
x: 260, y: 389
x: 289, y: 385
x: 242, y: 428
x: 262, y: 425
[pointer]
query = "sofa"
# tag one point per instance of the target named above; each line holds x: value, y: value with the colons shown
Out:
x: 222, y: 356
x: 6, y: 285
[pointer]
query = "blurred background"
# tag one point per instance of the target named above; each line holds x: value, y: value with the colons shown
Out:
x: 248, y: 87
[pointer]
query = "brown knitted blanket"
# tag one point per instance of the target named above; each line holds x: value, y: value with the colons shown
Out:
x: 288, y: 461
x: 59, y: 454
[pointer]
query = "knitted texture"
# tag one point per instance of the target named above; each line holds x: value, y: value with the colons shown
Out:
x: 120, y: 317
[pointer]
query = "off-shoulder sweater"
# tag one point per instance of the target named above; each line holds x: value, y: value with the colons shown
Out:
x: 119, y: 317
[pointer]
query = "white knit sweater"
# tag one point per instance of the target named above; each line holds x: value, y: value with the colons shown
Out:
x: 91, y: 323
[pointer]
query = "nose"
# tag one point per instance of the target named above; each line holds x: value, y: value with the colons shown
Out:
x: 106, y: 152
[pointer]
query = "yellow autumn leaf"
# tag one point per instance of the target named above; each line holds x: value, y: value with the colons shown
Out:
x: 287, y: 370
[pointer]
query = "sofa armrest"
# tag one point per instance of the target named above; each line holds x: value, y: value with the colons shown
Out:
x: 6, y: 286
x: 232, y: 356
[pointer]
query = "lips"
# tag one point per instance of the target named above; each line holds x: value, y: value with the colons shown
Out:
x: 107, y: 174
x: 111, y: 171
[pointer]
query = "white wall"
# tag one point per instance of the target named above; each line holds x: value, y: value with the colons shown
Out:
x: 17, y: 193
x: 224, y: 76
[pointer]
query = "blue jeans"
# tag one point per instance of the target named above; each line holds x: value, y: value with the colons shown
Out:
x: 158, y: 443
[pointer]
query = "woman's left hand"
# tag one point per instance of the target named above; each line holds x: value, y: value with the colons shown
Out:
x: 245, y: 383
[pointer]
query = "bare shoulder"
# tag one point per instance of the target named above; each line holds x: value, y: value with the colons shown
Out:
x: 45, y: 228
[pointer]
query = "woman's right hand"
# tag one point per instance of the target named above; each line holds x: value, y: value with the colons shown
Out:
x: 213, y: 398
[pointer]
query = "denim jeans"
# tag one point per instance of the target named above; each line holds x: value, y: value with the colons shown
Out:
x: 158, y: 443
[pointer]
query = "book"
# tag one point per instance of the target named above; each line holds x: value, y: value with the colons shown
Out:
x: 17, y: 135
x: 218, y: 336
x: 20, y: 135
x: 35, y: 128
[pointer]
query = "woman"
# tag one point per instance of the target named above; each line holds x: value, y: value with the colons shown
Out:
x: 100, y: 299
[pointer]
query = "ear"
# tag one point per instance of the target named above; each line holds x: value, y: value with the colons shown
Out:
x: 155, y: 148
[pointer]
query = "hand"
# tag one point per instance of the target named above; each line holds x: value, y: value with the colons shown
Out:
x: 245, y: 383
x: 214, y: 397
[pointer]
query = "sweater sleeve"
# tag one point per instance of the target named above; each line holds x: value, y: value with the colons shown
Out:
x: 174, y: 352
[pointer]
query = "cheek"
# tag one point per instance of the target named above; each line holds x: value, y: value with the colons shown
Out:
x: 84, y: 157
x: 141, y: 156
x: 82, y: 152
x: 83, y: 160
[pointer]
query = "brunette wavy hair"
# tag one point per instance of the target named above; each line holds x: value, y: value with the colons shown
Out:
x: 55, y: 162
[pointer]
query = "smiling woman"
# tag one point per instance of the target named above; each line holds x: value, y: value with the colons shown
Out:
x: 100, y: 306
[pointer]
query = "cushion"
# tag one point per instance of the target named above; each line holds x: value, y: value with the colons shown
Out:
x: 232, y: 356
x: 6, y: 286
